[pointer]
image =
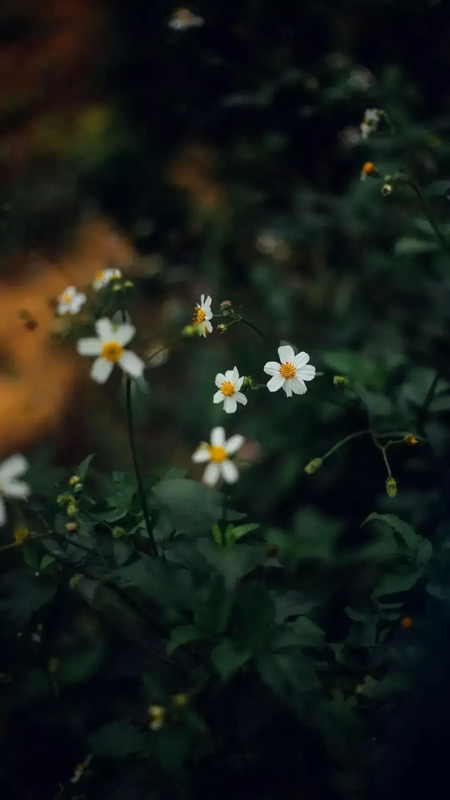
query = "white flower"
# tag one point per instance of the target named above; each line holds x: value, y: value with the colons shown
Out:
x: 291, y: 373
x: 202, y: 316
x: 182, y: 19
x: 217, y: 454
x: 229, y: 385
x: 12, y: 469
x: 109, y: 347
x: 70, y: 301
x: 80, y: 769
x: 105, y: 276
x: 371, y: 119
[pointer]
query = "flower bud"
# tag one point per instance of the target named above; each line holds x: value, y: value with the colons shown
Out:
x: 386, y: 189
x: 72, y: 508
x: 313, y: 466
x: 368, y: 169
x: 117, y: 532
x: 74, y: 480
x: 180, y: 700
x: 156, y: 714
x: 391, y: 487
x: 222, y: 328
x: 21, y: 535
x: 74, y: 581
x: 247, y: 382
x: 411, y: 439
x: 341, y: 380
x: 71, y: 527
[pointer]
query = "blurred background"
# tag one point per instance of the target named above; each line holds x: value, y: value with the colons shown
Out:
x: 222, y: 155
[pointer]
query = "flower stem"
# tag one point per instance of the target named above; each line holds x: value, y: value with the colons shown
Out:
x: 344, y: 441
x: 426, y: 208
x: 137, y: 471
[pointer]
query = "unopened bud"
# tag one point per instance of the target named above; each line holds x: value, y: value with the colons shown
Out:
x: 72, y: 508
x: 180, y: 700
x: 386, y: 189
x: 247, y: 383
x: 411, y: 439
x: 71, y: 527
x: 391, y: 487
x: 128, y: 285
x: 222, y: 328
x: 74, y: 480
x: 156, y: 714
x: 313, y: 466
x: 188, y: 330
x: 368, y: 169
x: 341, y: 380
x: 117, y: 532
x: 21, y: 535
x: 74, y: 581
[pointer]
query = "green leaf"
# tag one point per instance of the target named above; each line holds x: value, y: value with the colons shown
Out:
x: 409, y: 246
x: 228, y: 657
x: 289, y: 675
x: 232, y: 534
x: 213, y: 605
x: 232, y: 562
x: 188, y: 506
x: 291, y: 604
x: 183, y: 634
x: 22, y: 595
x: 118, y: 739
x: 308, y: 633
x: 82, y: 468
x: 46, y: 561
x: 253, y: 615
x: 166, y: 583
x: 401, y: 581
x: 405, y: 531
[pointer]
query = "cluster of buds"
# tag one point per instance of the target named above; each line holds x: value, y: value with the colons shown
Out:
x: 68, y: 502
x: 157, y: 714
x: 124, y: 287
x: 75, y: 483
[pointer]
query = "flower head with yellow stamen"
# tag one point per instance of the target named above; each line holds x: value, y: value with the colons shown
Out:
x: 229, y: 384
x: 109, y: 349
x: 291, y: 374
x: 217, y: 454
x: 202, y: 316
x: 104, y: 276
x: 156, y: 714
x: 70, y: 301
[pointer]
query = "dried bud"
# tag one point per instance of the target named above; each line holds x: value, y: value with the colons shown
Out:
x: 406, y: 622
x: 341, y: 380
x: 225, y: 304
x: 391, y: 487
x: 411, y: 439
x: 386, y: 189
x: 313, y: 466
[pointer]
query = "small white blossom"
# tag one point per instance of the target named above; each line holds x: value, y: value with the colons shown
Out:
x: 182, y: 19
x: 229, y: 384
x: 216, y: 454
x: 291, y: 373
x: 70, y: 301
x: 80, y: 769
x: 202, y: 316
x: 371, y: 119
x: 12, y: 469
x: 109, y: 349
x: 105, y: 276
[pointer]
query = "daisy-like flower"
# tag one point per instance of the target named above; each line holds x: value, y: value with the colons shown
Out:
x: 371, y: 119
x: 105, y: 276
x: 182, y: 19
x: 10, y: 471
x: 157, y: 715
x: 217, y: 453
x: 202, y: 316
x: 291, y: 373
x: 109, y: 349
x: 228, y: 384
x: 70, y: 301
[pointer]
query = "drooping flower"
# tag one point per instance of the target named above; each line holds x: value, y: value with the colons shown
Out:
x: 70, y: 301
x: 104, y: 277
x: 202, y: 316
x: 217, y: 454
x: 229, y: 384
x: 109, y: 349
x: 371, y: 119
x: 291, y: 373
x: 182, y: 19
x: 10, y: 471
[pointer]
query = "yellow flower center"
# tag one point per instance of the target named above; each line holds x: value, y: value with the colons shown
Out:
x: 227, y: 388
x: 99, y: 275
x: 287, y: 370
x: 112, y: 351
x: 199, y: 315
x: 217, y: 454
x: 67, y: 298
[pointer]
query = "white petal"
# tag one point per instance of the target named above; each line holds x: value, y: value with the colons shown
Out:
x: 202, y: 300
x: 201, y: 455
x: 241, y: 398
x: 218, y: 437
x: 275, y: 383
x: 234, y: 443
x: 229, y: 375
x: 101, y: 370
x: 77, y: 303
x: 229, y: 405
x: 208, y: 325
x: 288, y: 388
x: 297, y: 385
x: 218, y: 397
x: 124, y: 333
x: 105, y: 330
x: 89, y: 347
x: 235, y: 374
x: 13, y: 467
x: 238, y: 384
x: 220, y: 378
x: 286, y: 353
x: 18, y: 489
x: 300, y: 360
x: 306, y: 373
x: 132, y: 364
x: 206, y: 304
x: 272, y: 368
x: 63, y: 308
x: 229, y: 471
x: 2, y: 511
x: 211, y: 474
